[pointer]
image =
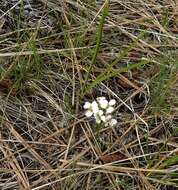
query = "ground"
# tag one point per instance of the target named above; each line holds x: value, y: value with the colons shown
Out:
x: 57, y: 55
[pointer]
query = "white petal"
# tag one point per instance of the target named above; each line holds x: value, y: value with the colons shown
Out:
x: 103, y: 118
x: 106, y: 124
x: 97, y: 118
x: 95, y: 107
x: 101, y: 98
x: 113, y: 122
x: 103, y: 103
x: 110, y: 110
x: 87, y: 105
x: 94, y: 103
x: 98, y: 121
x: 108, y: 117
x: 95, y: 110
x: 112, y: 102
x: 88, y: 113
x: 100, y: 112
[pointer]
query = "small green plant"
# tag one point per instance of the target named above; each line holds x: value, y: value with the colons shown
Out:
x: 162, y: 84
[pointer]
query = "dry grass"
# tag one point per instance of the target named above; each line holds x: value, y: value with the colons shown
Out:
x: 54, y: 56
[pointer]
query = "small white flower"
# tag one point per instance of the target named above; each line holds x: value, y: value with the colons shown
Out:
x: 109, y: 110
x: 106, y: 124
x: 101, y: 98
x: 94, y: 104
x: 103, y: 103
x: 95, y: 107
x: 103, y: 118
x: 87, y: 105
x: 100, y: 112
x: 88, y: 113
x: 112, y: 102
x: 98, y: 121
x: 108, y: 117
x: 113, y: 122
x: 97, y: 118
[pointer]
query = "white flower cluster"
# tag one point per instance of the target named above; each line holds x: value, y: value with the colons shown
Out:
x: 102, y: 110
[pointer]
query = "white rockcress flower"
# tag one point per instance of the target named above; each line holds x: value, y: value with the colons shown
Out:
x: 88, y: 113
x: 109, y: 109
x: 113, y: 122
x: 103, y: 103
x: 102, y: 110
x: 112, y: 102
x: 97, y: 118
x: 108, y: 117
x: 103, y: 118
x: 87, y: 105
x: 95, y: 107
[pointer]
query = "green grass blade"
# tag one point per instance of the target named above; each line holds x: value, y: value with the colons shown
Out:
x: 114, y: 73
x: 108, y: 73
x: 99, y: 38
